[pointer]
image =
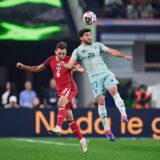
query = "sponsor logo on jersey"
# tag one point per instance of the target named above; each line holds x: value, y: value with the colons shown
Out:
x: 58, y: 68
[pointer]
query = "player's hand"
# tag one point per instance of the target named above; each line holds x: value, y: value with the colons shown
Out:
x: 78, y: 68
x: 20, y: 65
x: 129, y: 58
x: 62, y: 63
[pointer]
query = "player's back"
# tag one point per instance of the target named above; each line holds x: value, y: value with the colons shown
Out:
x: 90, y: 57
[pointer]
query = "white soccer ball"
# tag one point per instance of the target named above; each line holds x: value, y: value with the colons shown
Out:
x: 89, y: 17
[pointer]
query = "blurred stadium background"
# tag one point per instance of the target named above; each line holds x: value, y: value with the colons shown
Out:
x: 29, y: 31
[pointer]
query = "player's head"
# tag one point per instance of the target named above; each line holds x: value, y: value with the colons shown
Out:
x: 61, y: 50
x: 85, y: 36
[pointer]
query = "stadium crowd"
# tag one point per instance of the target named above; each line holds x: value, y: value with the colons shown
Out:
x: 136, y: 97
x: 131, y: 9
x: 28, y: 97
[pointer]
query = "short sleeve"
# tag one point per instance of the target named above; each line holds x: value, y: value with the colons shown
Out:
x: 47, y: 62
x: 103, y: 48
x: 75, y: 54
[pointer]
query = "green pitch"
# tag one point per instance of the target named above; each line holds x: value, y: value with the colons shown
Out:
x: 69, y: 149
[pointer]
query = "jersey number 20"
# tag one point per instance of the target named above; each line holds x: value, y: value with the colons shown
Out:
x: 91, y: 55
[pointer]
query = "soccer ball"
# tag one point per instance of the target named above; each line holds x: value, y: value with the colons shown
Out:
x: 89, y: 18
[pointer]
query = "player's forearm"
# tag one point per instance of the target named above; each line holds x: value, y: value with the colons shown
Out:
x: 31, y: 68
x: 78, y: 68
x: 68, y: 65
x: 116, y: 53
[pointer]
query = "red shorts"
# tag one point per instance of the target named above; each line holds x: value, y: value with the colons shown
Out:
x: 70, y: 91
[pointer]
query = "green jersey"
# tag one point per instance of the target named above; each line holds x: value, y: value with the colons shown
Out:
x: 90, y: 57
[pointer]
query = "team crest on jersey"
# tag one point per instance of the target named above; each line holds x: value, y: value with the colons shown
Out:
x: 58, y: 68
x: 83, y: 51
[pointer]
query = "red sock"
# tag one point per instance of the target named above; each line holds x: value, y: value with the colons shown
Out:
x: 76, y: 130
x: 61, y: 116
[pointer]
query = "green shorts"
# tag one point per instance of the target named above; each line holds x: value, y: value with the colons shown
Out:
x: 102, y: 82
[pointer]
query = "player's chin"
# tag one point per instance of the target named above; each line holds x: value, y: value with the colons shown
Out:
x: 89, y: 42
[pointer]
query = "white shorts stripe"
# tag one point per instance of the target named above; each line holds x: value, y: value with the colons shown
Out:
x: 67, y: 93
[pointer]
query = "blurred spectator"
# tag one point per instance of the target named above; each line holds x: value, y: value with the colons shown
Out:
x: 9, y: 91
x: 154, y: 91
x: 132, y: 10
x: 12, y: 103
x: 114, y: 9
x: 27, y: 95
x: 146, y: 9
x: 139, y: 9
x: 142, y: 98
x: 36, y: 103
x: 50, y: 96
x: 130, y: 93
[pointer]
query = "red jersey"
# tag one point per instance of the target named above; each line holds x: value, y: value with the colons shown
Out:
x: 61, y: 75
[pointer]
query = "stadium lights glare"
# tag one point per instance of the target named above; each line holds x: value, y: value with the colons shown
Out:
x: 19, y: 32
x: 12, y: 3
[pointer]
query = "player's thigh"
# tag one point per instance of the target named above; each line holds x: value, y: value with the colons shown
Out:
x: 63, y: 94
x: 110, y: 81
x: 63, y: 101
x: 66, y: 97
x: 69, y: 92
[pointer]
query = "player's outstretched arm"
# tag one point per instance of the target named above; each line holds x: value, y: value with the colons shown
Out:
x: 119, y: 54
x: 37, y: 68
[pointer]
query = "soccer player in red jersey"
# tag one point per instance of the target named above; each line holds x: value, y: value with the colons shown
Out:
x: 66, y: 89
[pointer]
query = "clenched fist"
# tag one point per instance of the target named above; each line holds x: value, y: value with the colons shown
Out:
x: 20, y: 65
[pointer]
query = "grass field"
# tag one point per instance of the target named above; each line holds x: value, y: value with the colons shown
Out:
x: 69, y: 149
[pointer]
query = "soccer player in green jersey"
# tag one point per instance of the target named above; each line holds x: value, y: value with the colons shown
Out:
x: 89, y: 55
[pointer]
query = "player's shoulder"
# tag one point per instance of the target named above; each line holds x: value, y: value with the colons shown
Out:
x: 99, y: 45
x: 53, y: 57
x: 96, y: 43
x: 76, y: 50
x: 79, y: 49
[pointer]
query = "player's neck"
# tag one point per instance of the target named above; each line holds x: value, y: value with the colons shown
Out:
x: 86, y: 44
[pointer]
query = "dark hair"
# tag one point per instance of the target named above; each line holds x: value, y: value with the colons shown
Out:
x: 61, y: 45
x: 84, y: 30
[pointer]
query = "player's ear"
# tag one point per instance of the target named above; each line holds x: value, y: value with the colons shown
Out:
x: 81, y: 38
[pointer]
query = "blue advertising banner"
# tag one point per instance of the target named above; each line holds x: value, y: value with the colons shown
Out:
x: 36, y: 123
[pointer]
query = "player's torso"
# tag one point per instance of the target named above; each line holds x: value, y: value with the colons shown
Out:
x: 61, y: 75
x: 90, y: 57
